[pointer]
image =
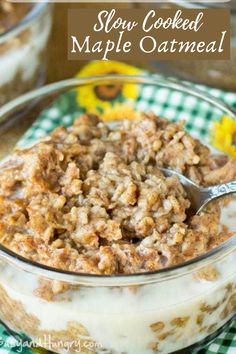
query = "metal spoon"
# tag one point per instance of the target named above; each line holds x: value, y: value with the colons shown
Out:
x: 200, y: 197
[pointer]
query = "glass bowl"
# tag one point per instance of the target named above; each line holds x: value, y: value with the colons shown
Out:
x: 173, y: 310
x: 23, y: 52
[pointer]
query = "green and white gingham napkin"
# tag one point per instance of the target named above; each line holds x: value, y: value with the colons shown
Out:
x: 167, y: 103
x: 198, y: 114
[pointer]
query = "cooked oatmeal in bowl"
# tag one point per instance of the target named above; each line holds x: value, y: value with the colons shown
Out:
x: 92, y: 199
x: 99, y: 249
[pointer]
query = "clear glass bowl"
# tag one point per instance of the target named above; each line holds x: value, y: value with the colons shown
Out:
x: 175, y: 310
x: 23, y: 52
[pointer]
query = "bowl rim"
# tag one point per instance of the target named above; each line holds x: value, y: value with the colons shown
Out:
x: 34, y: 12
x: 143, y: 79
x: 118, y: 279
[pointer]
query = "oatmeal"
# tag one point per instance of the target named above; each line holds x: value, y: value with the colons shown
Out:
x: 91, y: 198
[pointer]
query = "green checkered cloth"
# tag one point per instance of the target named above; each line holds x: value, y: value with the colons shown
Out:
x: 173, y: 105
x: 170, y: 104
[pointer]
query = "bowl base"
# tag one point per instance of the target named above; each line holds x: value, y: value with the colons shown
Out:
x: 197, y: 348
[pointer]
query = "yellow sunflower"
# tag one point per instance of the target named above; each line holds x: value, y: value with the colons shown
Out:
x: 223, y: 135
x: 100, y: 98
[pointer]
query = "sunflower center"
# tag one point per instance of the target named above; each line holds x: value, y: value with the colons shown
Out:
x: 108, y: 92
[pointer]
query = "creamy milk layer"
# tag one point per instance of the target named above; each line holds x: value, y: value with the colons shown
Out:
x: 120, y: 319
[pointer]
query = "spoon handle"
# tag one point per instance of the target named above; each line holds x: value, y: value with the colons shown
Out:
x: 215, y: 192
x: 223, y: 189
